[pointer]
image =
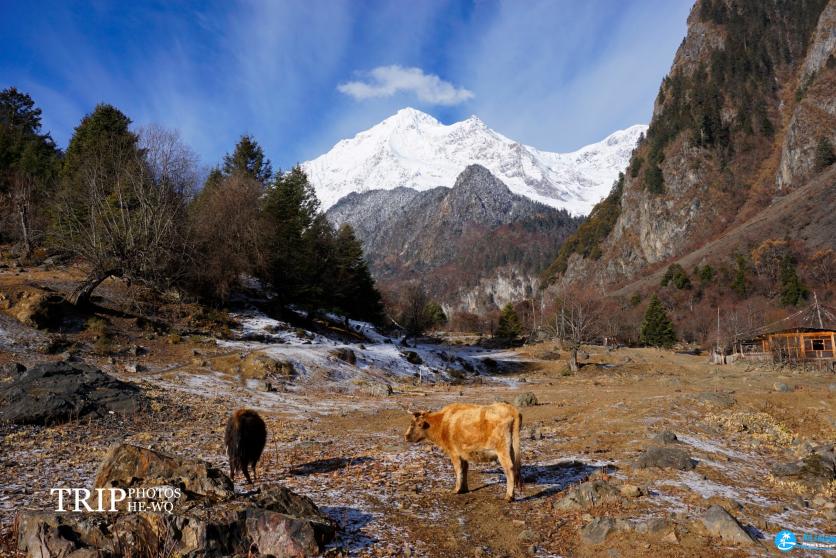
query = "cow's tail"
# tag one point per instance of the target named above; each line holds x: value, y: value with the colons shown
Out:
x: 515, y: 445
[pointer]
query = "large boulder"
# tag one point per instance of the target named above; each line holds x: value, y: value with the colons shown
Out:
x: 665, y: 458
x: 128, y: 466
x: 720, y: 523
x: 208, y: 520
x: 56, y: 392
x: 816, y: 470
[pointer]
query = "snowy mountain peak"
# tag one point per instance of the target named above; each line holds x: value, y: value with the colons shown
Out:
x: 413, y: 149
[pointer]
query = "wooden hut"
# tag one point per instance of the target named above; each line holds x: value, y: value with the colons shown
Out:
x: 794, y: 345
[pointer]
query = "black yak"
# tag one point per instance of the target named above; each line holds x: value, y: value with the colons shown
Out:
x: 245, y: 437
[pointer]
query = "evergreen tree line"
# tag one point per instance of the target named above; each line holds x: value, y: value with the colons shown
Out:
x: 129, y: 204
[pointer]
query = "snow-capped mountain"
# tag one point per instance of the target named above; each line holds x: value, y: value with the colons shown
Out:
x: 412, y: 149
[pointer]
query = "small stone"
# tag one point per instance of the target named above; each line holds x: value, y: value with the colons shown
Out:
x: 596, y: 531
x: 631, y: 491
x: 666, y: 437
x: 527, y: 399
x: 780, y: 386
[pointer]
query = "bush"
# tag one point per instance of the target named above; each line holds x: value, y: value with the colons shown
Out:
x: 676, y: 276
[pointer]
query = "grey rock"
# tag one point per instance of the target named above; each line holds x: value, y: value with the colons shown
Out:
x: 208, y: 520
x: 526, y: 399
x: 815, y: 470
x: 56, y: 392
x: 719, y: 522
x: 597, y: 530
x: 781, y: 387
x: 588, y: 494
x: 665, y: 458
x: 413, y: 358
x: 655, y: 526
x: 666, y: 437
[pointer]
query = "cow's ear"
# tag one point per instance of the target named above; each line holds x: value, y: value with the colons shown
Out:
x: 425, y: 425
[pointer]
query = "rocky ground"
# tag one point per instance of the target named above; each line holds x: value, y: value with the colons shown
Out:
x: 642, y: 451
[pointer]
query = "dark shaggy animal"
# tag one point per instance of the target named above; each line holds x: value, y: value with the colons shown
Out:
x: 245, y: 437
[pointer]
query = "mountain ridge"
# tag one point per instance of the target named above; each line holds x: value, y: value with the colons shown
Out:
x: 413, y: 149
x: 474, y: 245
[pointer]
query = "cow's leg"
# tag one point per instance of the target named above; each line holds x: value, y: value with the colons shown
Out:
x: 247, y: 473
x: 507, y: 466
x: 465, y: 466
x: 460, y: 468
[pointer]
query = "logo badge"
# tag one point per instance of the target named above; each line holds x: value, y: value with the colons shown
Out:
x: 785, y: 541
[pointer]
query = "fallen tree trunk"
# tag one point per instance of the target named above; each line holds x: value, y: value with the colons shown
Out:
x: 81, y: 295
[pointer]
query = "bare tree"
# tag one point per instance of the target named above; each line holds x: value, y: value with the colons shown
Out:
x: 127, y: 220
x: 227, y: 232
x: 577, y: 320
x: 23, y: 186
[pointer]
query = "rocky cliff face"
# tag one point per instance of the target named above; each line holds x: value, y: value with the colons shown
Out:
x: 814, y: 115
x: 737, y: 123
x: 474, y: 245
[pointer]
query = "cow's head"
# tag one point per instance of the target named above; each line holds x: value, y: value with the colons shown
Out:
x: 418, y: 429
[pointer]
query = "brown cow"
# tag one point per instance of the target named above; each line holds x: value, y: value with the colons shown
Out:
x: 473, y: 433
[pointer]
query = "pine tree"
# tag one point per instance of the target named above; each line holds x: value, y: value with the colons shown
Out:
x: 509, y: 326
x: 298, y: 240
x: 248, y: 158
x: 353, y: 288
x: 792, y: 290
x: 29, y: 162
x: 657, y: 329
x: 435, y: 314
x: 740, y: 285
x: 102, y: 145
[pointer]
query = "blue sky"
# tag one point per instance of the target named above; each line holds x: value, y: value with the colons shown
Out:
x: 301, y: 75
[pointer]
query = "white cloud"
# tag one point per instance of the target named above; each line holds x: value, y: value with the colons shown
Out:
x: 385, y: 81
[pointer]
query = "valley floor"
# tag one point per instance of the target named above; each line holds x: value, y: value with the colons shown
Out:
x: 342, y: 444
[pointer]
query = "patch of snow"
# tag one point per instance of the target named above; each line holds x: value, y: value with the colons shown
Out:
x: 710, y: 447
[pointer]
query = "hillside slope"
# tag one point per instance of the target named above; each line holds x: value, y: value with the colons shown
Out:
x: 738, y: 123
